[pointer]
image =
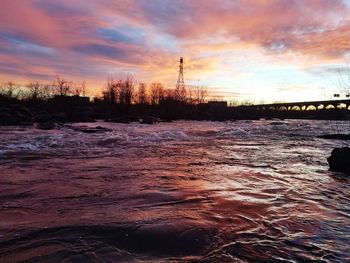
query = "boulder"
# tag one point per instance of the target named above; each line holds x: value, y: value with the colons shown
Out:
x: 119, y: 120
x: 23, y: 112
x: 60, y: 117
x: 15, y: 115
x: 48, y: 125
x: 339, y: 161
x: 149, y: 120
x: 82, y: 115
x: 85, y: 129
x: 9, y: 119
x: 43, y: 117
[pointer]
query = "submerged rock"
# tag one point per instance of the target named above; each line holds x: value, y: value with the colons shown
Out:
x: 86, y: 129
x: 48, y: 125
x: 149, y: 120
x: 339, y: 161
x: 120, y: 120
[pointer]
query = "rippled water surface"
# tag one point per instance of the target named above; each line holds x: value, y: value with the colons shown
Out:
x: 246, y: 191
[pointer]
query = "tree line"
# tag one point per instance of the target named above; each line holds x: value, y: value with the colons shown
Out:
x: 127, y: 91
x: 42, y: 91
x: 122, y: 91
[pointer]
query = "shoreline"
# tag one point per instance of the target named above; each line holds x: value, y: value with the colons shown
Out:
x: 51, y: 112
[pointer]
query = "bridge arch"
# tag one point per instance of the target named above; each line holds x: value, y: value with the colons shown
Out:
x: 330, y: 106
x: 320, y: 106
x: 295, y: 107
x: 342, y: 106
x: 311, y: 107
x: 303, y: 106
x: 283, y: 108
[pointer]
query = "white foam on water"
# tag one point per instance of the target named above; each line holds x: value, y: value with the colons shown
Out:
x: 161, y: 136
x: 237, y: 132
x: 23, y: 146
x: 114, y: 138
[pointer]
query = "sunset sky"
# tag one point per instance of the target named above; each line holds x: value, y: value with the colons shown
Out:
x: 257, y: 50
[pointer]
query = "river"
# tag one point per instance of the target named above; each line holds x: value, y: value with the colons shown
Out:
x: 244, y: 191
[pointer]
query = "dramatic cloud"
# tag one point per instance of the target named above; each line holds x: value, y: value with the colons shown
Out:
x: 248, y: 49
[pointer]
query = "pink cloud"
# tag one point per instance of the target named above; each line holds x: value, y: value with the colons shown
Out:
x: 92, y: 39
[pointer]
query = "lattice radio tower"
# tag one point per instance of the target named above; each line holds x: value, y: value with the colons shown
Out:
x: 180, y: 91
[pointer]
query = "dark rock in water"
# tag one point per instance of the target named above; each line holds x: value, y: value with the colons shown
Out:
x: 119, y: 120
x: 167, y: 120
x: 149, y: 120
x: 15, y: 115
x: 123, y: 119
x: 8, y: 119
x: 335, y: 136
x: 86, y: 129
x: 49, y: 125
x: 23, y: 113
x: 82, y: 115
x: 339, y: 161
x: 61, y: 117
x: 43, y: 117
x: 277, y: 123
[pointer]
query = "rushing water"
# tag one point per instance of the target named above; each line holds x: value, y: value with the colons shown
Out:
x: 246, y: 191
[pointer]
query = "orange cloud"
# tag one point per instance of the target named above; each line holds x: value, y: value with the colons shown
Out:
x: 225, y: 43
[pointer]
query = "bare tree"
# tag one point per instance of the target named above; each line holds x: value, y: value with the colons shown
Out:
x: 180, y: 93
x: 169, y: 94
x: 200, y: 94
x: 9, y: 89
x: 34, y: 90
x: 157, y: 93
x: 47, y: 91
x: 142, y: 97
x: 189, y: 96
x: 83, y: 88
x: 79, y: 89
x: 62, y: 86
x: 126, y: 92
x: 110, y: 94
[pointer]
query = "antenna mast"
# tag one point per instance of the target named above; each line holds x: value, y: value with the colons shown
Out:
x: 180, y: 91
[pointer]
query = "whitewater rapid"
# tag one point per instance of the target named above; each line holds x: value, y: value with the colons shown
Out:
x: 241, y: 191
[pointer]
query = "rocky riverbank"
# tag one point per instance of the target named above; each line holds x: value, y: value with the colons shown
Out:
x: 19, y: 115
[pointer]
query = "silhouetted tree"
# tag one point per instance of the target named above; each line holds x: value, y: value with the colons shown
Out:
x: 83, y: 88
x: 62, y: 86
x: 200, y: 94
x: 110, y: 94
x: 189, y: 96
x: 79, y: 89
x: 46, y: 91
x: 157, y: 93
x: 126, y: 92
x: 169, y: 94
x: 9, y: 89
x: 35, y: 91
x: 142, y: 97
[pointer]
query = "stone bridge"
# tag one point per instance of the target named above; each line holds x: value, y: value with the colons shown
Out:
x: 306, y: 105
